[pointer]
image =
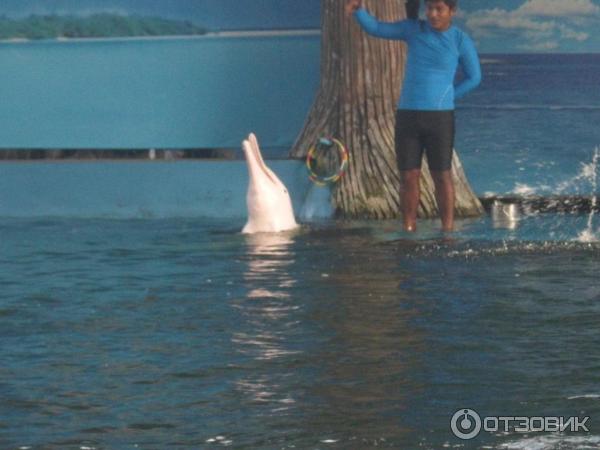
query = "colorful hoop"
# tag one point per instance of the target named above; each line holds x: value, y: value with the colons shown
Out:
x: 310, y: 157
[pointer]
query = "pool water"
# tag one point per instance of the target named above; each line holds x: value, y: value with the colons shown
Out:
x: 184, y: 333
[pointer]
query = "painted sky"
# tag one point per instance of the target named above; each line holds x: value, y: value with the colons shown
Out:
x: 532, y: 25
x: 504, y: 26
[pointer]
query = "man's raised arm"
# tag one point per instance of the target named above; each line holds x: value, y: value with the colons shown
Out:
x: 386, y: 30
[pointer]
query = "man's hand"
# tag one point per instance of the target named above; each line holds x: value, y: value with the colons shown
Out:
x: 352, y: 6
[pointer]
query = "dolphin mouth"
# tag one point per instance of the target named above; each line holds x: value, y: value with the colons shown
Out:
x: 256, y: 164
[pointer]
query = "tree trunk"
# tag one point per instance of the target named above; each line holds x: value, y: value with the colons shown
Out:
x: 356, y: 102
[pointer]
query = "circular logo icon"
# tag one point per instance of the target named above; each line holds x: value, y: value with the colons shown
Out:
x: 465, y: 424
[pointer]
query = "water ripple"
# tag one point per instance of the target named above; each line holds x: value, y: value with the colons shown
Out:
x: 342, y: 335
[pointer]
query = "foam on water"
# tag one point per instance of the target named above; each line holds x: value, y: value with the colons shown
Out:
x: 553, y: 442
x: 589, y: 396
x: 590, y: 172
x: 476, y: 238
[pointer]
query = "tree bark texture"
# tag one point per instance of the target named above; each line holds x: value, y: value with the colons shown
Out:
x: 356, y: 103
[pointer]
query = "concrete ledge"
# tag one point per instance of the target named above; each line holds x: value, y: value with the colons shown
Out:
x: 133, y: 189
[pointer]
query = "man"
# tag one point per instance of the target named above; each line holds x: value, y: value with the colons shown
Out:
x: 425, y: 115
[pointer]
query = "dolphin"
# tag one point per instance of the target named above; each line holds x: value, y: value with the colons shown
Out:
x: 269, y: 205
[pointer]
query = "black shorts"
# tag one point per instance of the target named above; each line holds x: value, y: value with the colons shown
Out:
x: 429, y: 131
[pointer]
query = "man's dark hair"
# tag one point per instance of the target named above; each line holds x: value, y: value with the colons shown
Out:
x: 452, y: 4
x: 412, y: 9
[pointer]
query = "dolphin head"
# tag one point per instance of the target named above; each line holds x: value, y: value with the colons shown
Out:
x: 268, y: 200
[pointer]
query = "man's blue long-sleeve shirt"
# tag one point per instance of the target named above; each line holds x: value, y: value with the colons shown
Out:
x: 433, y: 59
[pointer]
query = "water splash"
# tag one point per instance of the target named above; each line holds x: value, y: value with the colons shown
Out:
x: 578, y: 191
x: 590, y: 172
x: 586, y: 176
x: 574, y: 185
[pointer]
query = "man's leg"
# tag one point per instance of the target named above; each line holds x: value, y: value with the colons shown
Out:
x: 409, y: 195
x: 440, y: 144
x: 444, y: 194
x: 409, y: 153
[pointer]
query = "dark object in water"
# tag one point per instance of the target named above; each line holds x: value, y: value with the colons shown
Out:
x: 572, y: 204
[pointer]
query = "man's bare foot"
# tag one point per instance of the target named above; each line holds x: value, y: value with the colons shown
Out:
x: 410, y: 228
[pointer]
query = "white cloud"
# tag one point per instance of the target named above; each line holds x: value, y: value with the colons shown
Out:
x: 567, y: 33
x: 558, y: 8
x: 500, y: 18
x: 541, y: 24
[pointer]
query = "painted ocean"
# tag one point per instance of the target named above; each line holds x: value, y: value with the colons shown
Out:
x: 165, y: 328
x: 531, y: 125
x: 190, y: 92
